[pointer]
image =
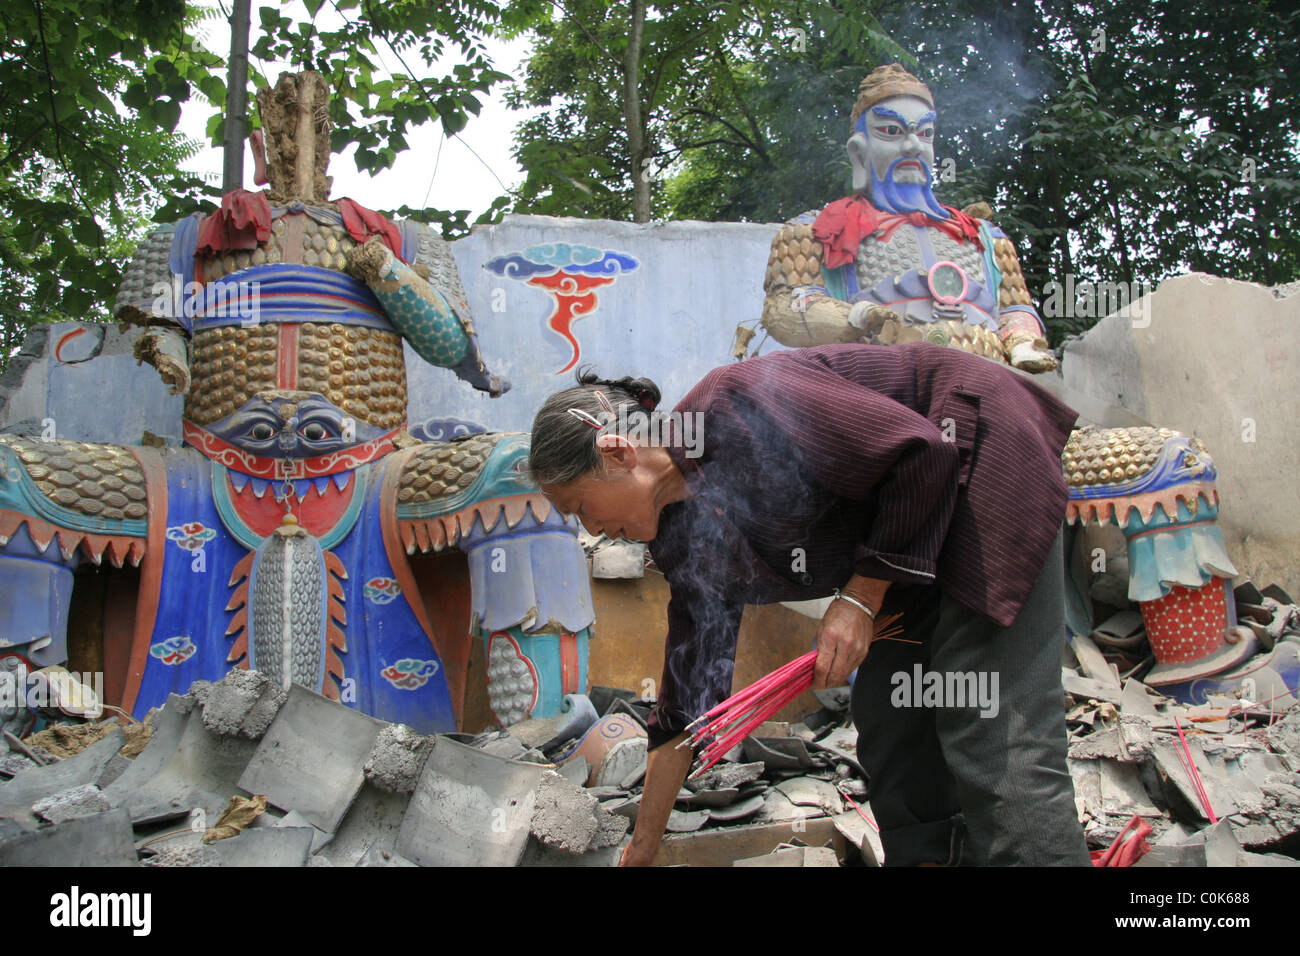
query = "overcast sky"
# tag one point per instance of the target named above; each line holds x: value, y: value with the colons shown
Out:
x: 461, y: 180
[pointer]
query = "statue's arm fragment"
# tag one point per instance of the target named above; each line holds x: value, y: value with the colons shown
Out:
x: 438, y: 332
x: 797, y: 303
x: 152, y: 294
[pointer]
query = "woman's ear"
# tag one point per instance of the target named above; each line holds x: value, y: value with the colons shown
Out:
x: 617, y: 449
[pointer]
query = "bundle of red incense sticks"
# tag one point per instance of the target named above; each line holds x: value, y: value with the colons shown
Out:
x: 735, y: 718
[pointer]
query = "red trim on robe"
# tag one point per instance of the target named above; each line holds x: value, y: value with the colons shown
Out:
x: 842, y: 226
x: 242, y: 222
x: 362, y: 223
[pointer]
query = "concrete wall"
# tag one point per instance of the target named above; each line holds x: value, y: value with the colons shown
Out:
x: 669, y: 314
x: 1218, y: 359
x: 82, y: 381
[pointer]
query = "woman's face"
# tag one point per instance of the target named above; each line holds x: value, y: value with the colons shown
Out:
x: 620, y: 503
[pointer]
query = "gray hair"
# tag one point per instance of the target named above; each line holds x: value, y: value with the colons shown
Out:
x: 563, y: 446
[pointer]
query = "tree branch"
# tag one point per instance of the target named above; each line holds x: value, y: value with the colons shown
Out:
x: 708, y: 114
x: 759, y: 145
x: 587, y: 33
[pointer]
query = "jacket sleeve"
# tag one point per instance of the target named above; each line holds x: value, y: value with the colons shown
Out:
x: 858, y: 444
x: 699, y: 653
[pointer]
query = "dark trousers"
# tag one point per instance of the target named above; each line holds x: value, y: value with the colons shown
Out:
x: 948, y: 785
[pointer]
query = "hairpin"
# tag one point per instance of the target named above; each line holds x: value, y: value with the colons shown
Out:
x: 586, y: 417
x: 603, y: 400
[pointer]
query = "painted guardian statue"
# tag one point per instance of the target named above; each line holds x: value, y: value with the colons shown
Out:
x: 892, y: 264
x: 301, y: 530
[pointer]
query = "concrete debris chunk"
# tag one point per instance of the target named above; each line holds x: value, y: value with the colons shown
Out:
x: 185, y: 854
x: 1284, y: 738
x: 1136, y: 700
x: 372, y: 823
x: 842, y: 743
x: 741, y: 810
x: 779, y: 753
x: 469, y: 809
x: 1100, y: 744
x: 311, y: 757
x: 378, y: 857
x: 536, y: 731
x: 397, y: 760
x: 243, y: 703
x: 709, y: 798
x: 1122, y: 792
x: 811, y: 792
x: 794, y: 856
x: 679, y: 822
x: 267, y: 847
x: 577, y: 771
x: 82, y: 801
x: 610, y: 831
x: 1093, y: 664
x: 76, y: 771
x: 725, y: 776
x: 855, y: 828
x: 1138, y: 737
x: 15, y: 820
x: 564, y: 816
x: 100, y: 840
x: 1085, y: 688
x: 184, y: 768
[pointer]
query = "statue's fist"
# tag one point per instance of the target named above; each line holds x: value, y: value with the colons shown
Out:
x: 872, y: 319
x: 1025, y: 356
x: 369, y: 261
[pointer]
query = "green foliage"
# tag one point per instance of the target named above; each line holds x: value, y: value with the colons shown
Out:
x: 370, y: 107
x: 1130, y: 162
x: 91, y: 93
x: 78, y: 173
x: 712, y: 79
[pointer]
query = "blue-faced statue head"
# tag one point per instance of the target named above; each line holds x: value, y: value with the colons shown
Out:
x: 891, y: 149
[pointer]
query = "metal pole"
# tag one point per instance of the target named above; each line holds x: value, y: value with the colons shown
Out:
x: 236, y: 98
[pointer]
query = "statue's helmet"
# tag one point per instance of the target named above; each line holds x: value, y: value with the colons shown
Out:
x: 884, y: 82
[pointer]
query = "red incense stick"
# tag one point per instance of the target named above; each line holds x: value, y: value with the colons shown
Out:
x: 731, y: 721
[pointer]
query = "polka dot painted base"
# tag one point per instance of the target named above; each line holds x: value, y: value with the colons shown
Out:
x: 1187, y: 624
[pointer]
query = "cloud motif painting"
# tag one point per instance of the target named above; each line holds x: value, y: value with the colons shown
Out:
x: 571, y: 274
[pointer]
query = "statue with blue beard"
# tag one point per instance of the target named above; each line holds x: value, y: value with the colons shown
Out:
x: 891, y: 264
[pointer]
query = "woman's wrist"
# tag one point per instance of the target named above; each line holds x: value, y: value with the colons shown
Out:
x: 868, y: 591
x: 854, y: 602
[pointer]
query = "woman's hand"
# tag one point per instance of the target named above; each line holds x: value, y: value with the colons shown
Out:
x: 842, y: 643
x: 666, y: 770
x: 634, y: 855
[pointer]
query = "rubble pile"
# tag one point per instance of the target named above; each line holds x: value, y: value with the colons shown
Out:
x: 1218, y: 783
x: 241, y: 772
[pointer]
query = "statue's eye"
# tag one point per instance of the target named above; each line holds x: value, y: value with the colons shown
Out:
x: 926, y: 133
x: 892, y: 130
x: 261, y: 432
x: 315, y: 431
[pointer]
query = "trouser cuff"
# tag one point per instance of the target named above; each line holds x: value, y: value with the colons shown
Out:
x: 939, y: 842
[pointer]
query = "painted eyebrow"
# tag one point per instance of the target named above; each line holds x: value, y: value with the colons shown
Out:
x: 884, y: 112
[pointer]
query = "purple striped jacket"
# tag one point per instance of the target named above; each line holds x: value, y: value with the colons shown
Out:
x: 915, y: 464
